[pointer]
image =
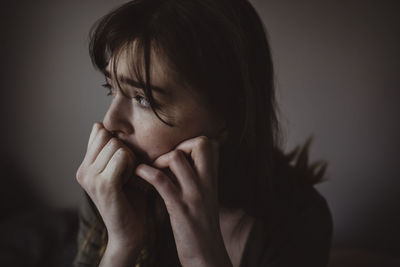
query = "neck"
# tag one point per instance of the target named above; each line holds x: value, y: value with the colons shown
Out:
x: 234, y: 237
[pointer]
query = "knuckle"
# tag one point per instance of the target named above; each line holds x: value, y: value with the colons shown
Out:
x: 97, y: 166
x: 103, y: 134
x: 176, y: 155
x: 78, y: 176
x: 81, y: 176
x: 121, y: 152
x: 202, y: 141
x: 79, y: 173
x: 121, y: 155
x: 159, y: 177
x: 96, y: 169
x: 96, y: 126
x: 93, y: 182
x: 195, y: 198
x: 113, y: 143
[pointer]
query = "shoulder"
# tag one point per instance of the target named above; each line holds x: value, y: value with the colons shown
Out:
x: 312, y: 221
x: 309, y: 207
x: 299, y: 232
x: 310, y: 230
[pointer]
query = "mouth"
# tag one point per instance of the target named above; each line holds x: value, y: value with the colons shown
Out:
x: 135, y: 182
x: 139, y: 155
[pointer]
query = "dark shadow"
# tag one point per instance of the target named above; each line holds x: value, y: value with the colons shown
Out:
x: 32, y: 233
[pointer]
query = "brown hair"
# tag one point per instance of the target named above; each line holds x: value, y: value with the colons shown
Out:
x: 220, y: 48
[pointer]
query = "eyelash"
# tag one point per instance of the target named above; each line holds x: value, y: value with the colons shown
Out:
x: 137, y: 97
x: 109, y: 88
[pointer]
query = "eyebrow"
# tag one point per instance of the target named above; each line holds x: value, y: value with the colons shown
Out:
x: 136, y: 84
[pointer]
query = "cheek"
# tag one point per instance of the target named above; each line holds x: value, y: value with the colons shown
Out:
x: 156, y: 138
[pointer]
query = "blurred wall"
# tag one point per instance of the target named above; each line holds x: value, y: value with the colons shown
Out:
x: 337, y: 65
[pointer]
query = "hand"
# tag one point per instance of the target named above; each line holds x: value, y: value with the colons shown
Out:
x: 105, y: 170
x: 191, y: 199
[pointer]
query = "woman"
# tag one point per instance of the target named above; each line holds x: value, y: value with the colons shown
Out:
x: 186, y: 168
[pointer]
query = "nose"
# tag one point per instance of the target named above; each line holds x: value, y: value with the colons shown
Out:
x: 118, y: 116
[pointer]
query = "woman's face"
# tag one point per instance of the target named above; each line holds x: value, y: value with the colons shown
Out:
x: 134, y: 122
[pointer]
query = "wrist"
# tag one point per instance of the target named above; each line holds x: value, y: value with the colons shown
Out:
x: 117, y: 246
x: 131, y: 242
x: 119, y: 255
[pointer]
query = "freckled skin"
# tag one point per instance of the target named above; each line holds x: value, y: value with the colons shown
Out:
x: 180, y: 162
x: 140, y: 127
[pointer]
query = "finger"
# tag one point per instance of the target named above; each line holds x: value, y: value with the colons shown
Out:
x: 106, y: 154
x: 178, y: 163
x: 95, y: 128
x: 161, y: 182
x: 204, y: 153
x: 99, y: 141
x: 117, y: 165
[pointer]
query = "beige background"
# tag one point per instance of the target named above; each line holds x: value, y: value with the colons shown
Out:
x: 337, y: 66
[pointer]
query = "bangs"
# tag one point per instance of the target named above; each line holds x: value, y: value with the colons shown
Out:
x: 118, y: 35
x: 218, y: 48
x: 187, y: 39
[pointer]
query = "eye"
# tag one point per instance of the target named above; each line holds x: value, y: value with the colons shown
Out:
x: 142, y: 101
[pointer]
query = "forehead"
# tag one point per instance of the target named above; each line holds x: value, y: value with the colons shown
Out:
x: 129, y: 63
x: 171, y: 89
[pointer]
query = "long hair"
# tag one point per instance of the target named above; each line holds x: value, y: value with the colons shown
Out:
x: 220, y: 49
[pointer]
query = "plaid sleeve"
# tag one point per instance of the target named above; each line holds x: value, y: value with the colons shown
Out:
x: 91, y: 235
